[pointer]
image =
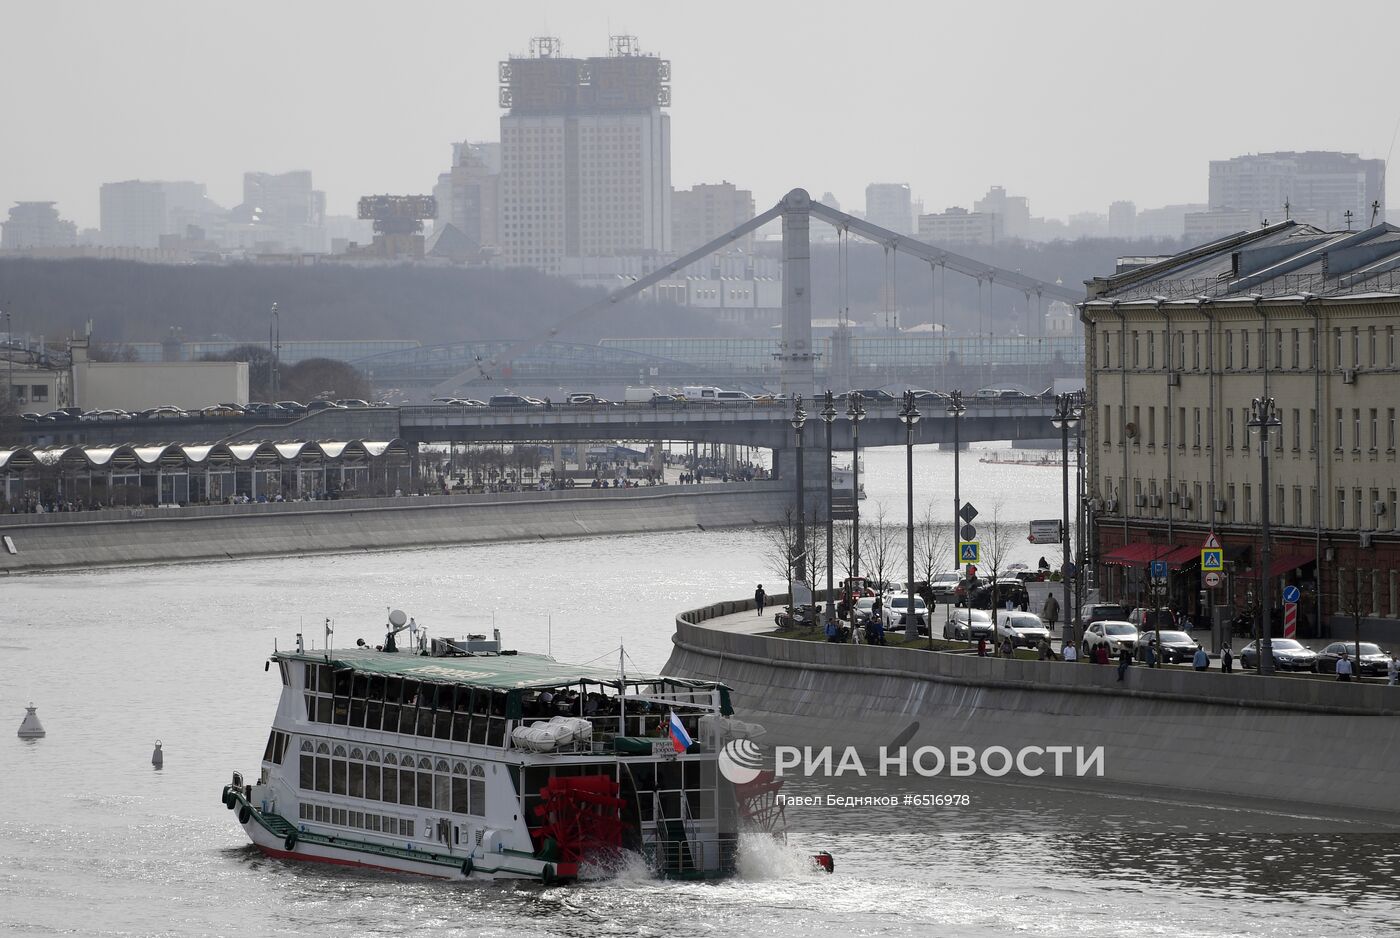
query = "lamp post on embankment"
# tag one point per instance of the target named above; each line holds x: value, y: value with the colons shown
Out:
x: 1066, y: 417
x: 1263, y: 417
x: 828, y: 414
x: 798, y: 420
x: 956, y: 408
x: 856, y: 411
x: 909, y: 416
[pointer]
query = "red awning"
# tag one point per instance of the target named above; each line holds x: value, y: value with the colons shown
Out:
x: 1142, y: 555
x: 1182, y: 557
x: 1129, y: 555
x: 1289, y: 561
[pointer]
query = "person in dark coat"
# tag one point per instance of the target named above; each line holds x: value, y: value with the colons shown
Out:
x: 759, y: 598
x: 1125, y: 661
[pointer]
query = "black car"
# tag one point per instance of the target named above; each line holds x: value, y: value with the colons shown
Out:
x: 870, y: 394
x: 999, y: 593
x: 1174, y: 646
x: 1372, y: 660
x: 1289, y: 655
x: 1102, y: 612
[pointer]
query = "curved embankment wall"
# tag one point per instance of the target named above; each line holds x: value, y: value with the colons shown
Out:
x: 110, y: 538
x: 1283, y: 740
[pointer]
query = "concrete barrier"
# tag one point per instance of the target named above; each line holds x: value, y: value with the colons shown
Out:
x: 1283, y: 740
x: 127, y: 537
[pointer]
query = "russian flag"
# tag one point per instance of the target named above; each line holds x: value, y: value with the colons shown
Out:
x: 679, y: 737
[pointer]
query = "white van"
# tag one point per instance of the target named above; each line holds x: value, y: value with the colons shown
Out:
x: 734, y: 396
x: 700, y: 392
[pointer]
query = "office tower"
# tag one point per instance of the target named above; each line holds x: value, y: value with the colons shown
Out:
x: 706, y: 211
x: 585, y: 154
x: 1316, y: 187
x: 889, y: 205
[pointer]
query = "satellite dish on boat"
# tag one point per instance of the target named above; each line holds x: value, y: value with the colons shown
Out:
x: 397, y: 618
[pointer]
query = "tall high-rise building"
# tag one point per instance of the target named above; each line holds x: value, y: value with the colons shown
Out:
x: 1015, y: 211
x: 1122, y: 219
x: 468, y: 195
x: 282, y: 209
x: 135, y: 213
x: 890, y: 205
x: 36, y: 225
x: 585, y: 154
x: 706, y: 211
x: 1317, y: 187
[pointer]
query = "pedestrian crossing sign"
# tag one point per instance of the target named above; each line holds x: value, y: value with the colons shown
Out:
x: 1212, y: 560
x: 970, y: 551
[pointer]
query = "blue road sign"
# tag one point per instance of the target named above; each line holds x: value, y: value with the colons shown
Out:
x: 968, y: 552
x: 1159, y: 569
x: 1291, y: 594
x: 1212, y: 560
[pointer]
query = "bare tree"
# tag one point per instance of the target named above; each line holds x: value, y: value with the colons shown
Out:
x: 1353, y: 598
x: 880, y: 547
x: 933, y: 546
x: 997, y: 538
x: 780, y: 546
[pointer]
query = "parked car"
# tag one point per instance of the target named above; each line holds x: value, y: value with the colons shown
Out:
x: 264, y: 409
x: 163, y: 412
x: 292, y: 407
x: 944, y: 586
x: 31, y: 417
x: 221, y: 410
x: 1030, y: 576
x: 513, y: 400
x: 586, y: 398
x: 1372, y: 660
x: 867, y: 394
x: 353, y: 402
x: 897, y: 612
x: 1001, y: 394
x: 1289, y: 655
x: 1117, y: 634
x: 1173, y: 646
x: 1145, y: 619
x: 105, y: 416
x: 864, y: 606
x: 1023, y: 628
x: 314, y: 406
x: 997, y: 594
x: 922, y: 395
x: 64, y: 414
x: 1097, y: 612
x: 969, y: 625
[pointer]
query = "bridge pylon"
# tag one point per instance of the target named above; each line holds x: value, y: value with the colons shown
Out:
x: 795, y: 354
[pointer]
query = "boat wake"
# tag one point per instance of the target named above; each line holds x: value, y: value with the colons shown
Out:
x: 763, y: 857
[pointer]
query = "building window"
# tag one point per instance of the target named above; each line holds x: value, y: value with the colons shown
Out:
x: 1151, y: 424
x: 1280, y: 503
x: 1371, y: 345
x: 1195, y: 350
x: 1312, y: 348
x: 1107, y: 347
x: 1360, y: 508
x: 38, y: 393
x: 1298, y: 505
x: 1312, y: 437
x: 1356, y: 429
x: 1341, y: 519
x: 1244, y: 429
x: 1196, y: 417
x: 1297, y: 431
x: 1230, y: 500
x: 1107, y: 425
x: 1151, y: 349
x: 1229, y: 428
x: 1375, y: 428
x: 1180, y: 350
x: 1248, y: 503
x: 1229, y: 349
x: 1390, y: 429
x: 1336, y: 349
x: 1338, y: 438
x: 1244, y: 350
x: 1136, y: 363
x: 1181, y: 428
x: 1356, y: 346
x: 1390, y: 346
x: 1295, y: 349
x: 1137, y: 424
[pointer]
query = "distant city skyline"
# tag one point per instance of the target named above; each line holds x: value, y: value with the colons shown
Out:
x: 823, y: 100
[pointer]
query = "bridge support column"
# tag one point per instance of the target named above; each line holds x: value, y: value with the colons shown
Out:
x: 558, y: 460
x: 813, y: 479
x: 796, y: 356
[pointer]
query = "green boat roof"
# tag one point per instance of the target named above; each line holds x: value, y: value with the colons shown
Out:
x: 501, y: 672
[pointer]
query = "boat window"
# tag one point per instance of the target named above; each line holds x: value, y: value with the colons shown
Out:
x: 408, y: 716
x: 338, y: 751
x: 407, y: 785
x: 355, y: 753
x: 343, y: 679
x: 322, y: 748
x: 391, y: 782
x: 372, y: 755
x: 459, y: 793
x: 393, y: 690
x: 281, y: 748
x: 374, y: 713
x: 478, y: 791
x: 338, y: 772
x: 306, y: 746
x: 426, y: 713
x: 390, y: 759
x: 459, y: 769
x: 441, y: 766
x: 461, y: 717
x: 326, y: 682
x: 410, y: 693
x: 360, y: 685
x: 271, y: 746
x: 323, y: 769
x: 308, y: 768
x: 372, y: 779
x: 285, y: 672
x: 357, y: 711
x: 442, y: 791
x: 323, y: 709
x: 356, y: 788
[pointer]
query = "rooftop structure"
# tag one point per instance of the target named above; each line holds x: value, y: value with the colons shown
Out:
x: 36, y: 225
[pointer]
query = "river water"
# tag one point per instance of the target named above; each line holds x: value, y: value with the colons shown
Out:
x: 96, y: 842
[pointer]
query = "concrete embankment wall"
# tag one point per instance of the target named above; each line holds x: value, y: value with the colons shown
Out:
x: 1283, y: 740
x: 122, y: 537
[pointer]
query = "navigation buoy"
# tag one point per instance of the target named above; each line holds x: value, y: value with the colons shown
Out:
x: 157, y: 757
x: 30, y: 728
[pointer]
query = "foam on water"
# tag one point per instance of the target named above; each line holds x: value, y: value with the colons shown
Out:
x: 763, y: 857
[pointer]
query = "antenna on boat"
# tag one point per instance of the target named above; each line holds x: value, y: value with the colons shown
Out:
x: 621, y: 690
x: 329, y: 632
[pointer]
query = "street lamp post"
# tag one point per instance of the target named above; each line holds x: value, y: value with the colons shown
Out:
x: 1066, y: 417
x: 856, y: 411
x: 956, y: 408
x: 799, y: 419
x: 274, y: 351
x: 10, y: 356
x: 828, y: 414
x: 909, y: 416
x: 1263, y: 417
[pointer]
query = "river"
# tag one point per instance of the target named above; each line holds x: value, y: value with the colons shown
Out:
x: 97, y: 842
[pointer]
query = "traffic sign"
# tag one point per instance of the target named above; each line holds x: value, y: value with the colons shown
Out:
x: 1291, y: 594
x: 1290, y: 617
x: 970, y: 552
x: 968, y: 532
x: 1212, y: 542
x: 968, y: 513
x: 1212, y: 580
x: 1212, y: 560
x: 1159, y: 569
x: 1046, y: 532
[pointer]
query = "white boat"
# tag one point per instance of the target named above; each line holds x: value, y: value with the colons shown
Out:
x: 459, y: 760
x: 842, y: 480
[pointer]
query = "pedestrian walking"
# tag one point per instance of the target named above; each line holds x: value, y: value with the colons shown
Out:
x: 1227, y: 660
x: 1050, y: 612
x: 1008, y: 648
x: 1200, y: 660
x: 1344, y: 668
x: 1125, y: 661
x: 759, y: 598
x: 1392, y: 670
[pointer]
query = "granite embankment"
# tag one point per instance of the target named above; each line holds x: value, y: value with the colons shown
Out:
x: 1284, y: 740
x: 36, y: 543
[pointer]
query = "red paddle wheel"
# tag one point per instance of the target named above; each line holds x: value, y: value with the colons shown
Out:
x: 759, y: 806
x: 581, y: 818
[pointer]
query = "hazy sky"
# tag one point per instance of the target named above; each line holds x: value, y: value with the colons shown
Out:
x: 1073, y: 104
